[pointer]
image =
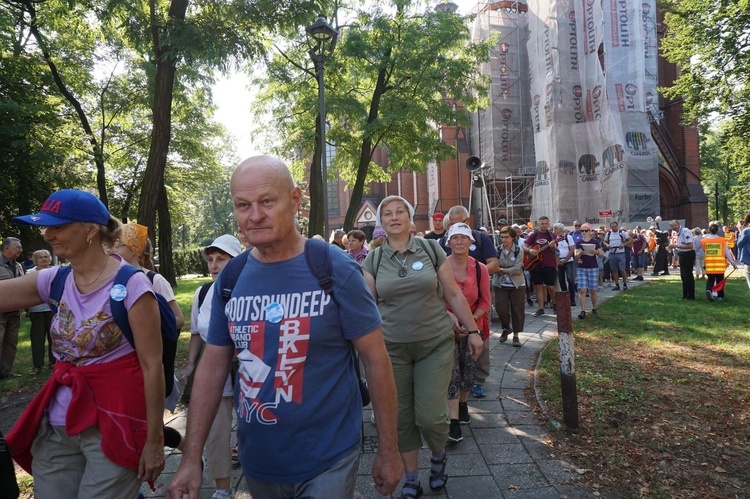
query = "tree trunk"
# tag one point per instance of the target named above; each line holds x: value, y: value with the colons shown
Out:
x: 166, y: 265
x: 315, y: 218
x: 153, y: 178
x: 365, y: 152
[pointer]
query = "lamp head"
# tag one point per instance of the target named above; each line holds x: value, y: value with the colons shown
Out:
x: 321, y: 37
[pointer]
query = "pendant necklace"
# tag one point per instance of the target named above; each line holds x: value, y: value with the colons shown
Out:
x: 403, y: 269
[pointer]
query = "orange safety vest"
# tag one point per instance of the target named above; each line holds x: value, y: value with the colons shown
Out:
x: 730, y: 239
x: 715, y: 249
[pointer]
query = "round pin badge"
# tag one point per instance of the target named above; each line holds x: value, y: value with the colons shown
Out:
x: 417, y: 265
x: 118, y: 292
x: 472, y: 247
x: 274, y: 312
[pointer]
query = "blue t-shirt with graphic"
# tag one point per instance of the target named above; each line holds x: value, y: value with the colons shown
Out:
x: 297, y: 397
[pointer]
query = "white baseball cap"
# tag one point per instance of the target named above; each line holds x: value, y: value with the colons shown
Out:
x: 460, y: 228
x: 226, y: 243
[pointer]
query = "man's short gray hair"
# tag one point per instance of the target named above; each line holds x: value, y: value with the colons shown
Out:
x: 559, y: 225
x: 455, y: 211
x: 8, y: 241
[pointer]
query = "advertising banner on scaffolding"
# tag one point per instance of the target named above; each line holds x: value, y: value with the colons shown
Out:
x: 592, y: 136
x: 576, y: 134
x: 631, y: 61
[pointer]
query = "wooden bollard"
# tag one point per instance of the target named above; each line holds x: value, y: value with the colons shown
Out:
x: 567, y: 359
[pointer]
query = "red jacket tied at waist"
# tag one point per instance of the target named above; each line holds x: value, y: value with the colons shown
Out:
x: 110, y: 396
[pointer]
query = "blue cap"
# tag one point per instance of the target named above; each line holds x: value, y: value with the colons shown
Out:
x: 66, y: 206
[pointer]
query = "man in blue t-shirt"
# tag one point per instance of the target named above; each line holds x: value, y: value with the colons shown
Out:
x: 483, y: 250
x: 299, y: 412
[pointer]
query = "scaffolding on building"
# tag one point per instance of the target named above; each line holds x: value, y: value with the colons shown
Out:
x: 502, y: 133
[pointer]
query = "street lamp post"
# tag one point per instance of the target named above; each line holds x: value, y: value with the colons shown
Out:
x: 321, y: 40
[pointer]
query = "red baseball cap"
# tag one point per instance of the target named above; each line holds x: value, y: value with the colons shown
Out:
x: 438, y: 215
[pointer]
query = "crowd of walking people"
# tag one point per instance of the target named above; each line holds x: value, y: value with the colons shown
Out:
x: 285, y: 354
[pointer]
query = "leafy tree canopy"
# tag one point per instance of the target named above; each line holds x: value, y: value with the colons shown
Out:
x: 710, y: 41
x: 394, y: 76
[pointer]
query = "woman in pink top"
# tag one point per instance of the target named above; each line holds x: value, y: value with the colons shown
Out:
x: 466, y: 271
x: 95, y: 428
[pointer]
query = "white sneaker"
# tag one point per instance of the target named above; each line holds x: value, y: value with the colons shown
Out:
x: 219, y: 495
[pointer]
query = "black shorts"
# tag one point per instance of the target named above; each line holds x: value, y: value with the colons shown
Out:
x: 543, y: 275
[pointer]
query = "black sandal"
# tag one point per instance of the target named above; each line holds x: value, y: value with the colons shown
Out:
x: 409, y: 495
x: 438, y: 480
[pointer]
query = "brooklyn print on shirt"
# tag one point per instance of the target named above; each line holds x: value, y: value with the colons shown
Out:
x: 253, y: 320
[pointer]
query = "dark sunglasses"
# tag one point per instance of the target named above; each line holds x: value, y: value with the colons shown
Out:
x: 585, y: 230
x: 576, y: 226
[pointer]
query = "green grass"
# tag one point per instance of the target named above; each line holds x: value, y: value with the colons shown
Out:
x: 661, y: 380
x: 22, y: 365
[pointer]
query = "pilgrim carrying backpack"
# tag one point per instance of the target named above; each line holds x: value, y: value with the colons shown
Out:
x: 318, y: 259
x: 169, y: 332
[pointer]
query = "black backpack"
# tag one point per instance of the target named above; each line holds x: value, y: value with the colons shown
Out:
x: 169, y: 332
x: 318, y: 259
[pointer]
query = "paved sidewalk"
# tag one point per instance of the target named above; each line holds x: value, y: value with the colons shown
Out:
x: 504, y: 452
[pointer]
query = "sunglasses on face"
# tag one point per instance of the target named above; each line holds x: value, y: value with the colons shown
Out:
x: 576, y: 226
x: 585, y: 230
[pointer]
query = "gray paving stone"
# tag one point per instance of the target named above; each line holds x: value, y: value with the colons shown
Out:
x: 514, y: 404
x: 494, y: 436
x: 540, y: 493
x: 516, y: 382
x: 506, y: 453
x: 557, y: 470
x: 518, y: 477
x: 494, y: 420
x: 480, y: 487
x: 466, y: 446
x: 519, y: 417
x: 467, y: 465
x: 536, y: 448
x: 484, y: 406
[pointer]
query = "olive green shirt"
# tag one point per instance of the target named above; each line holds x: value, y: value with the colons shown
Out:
x: 411, y: 306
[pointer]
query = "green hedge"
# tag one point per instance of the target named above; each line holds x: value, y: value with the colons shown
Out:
x: 189, y: 261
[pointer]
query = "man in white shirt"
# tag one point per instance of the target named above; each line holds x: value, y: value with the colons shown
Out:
x: 617, y: 240
x: 686, y: 255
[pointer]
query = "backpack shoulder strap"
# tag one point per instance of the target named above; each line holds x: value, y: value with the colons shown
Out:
x: 427, y: 247
x: 57, y: 287
x: 318, y: 259
x: 150, y: 274
x: 378, y: 258
x: 203, y: 292
x: 119, y: 312
x: 478, y: 268
x: 516, y: 251
x: 230, y: 274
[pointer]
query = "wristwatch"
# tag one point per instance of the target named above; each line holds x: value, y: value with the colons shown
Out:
x: 476, y: 331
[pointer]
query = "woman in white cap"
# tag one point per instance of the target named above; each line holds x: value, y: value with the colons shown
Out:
x: 95, y: 428
x: 409, y: 278
x: 474, y: 281
x: 218, y: 450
